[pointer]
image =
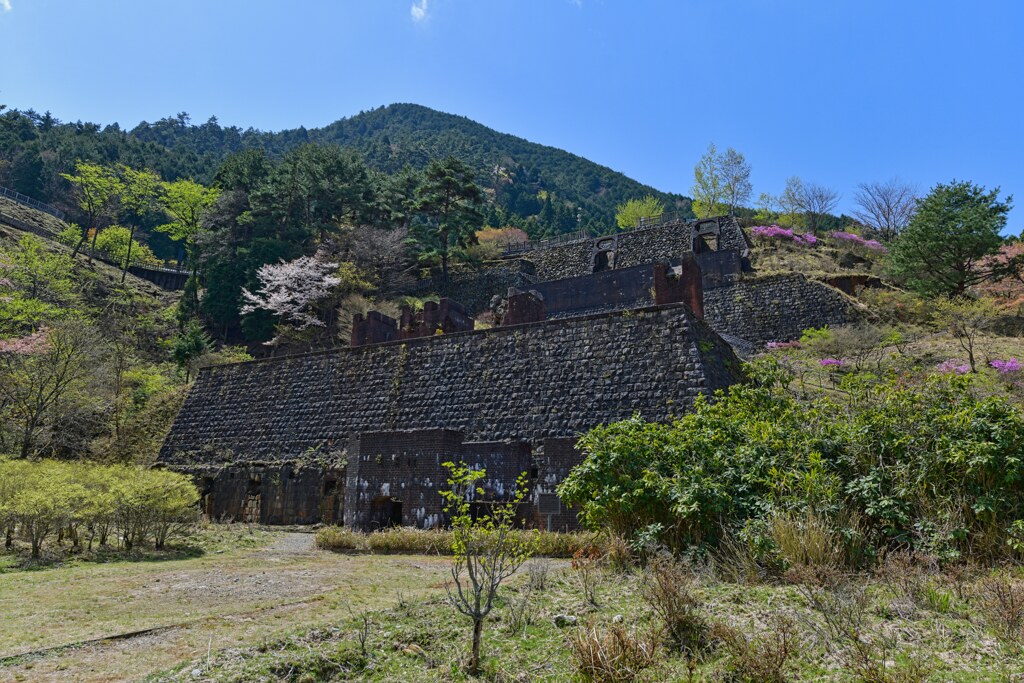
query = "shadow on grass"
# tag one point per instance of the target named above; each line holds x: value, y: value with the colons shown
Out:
x: 20, y: 559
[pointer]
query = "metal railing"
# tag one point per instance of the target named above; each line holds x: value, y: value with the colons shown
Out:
x: 663, y: 219
x: 512, y: 248
x: 33, y: 203
x: 87, y: 249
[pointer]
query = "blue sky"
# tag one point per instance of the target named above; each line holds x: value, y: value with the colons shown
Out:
x: 835, y: 91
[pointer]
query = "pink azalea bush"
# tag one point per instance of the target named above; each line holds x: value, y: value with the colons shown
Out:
x: 955, y: 366
x: 1007, y: 367
x: 771, y: 231
x: 832, y: 362
x: 874, y: 245
x: 778, y: 232
x: 782, y: 345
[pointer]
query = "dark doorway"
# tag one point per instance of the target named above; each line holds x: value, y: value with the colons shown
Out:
x: 330, y: 503
x: 385, y: 512
x: 603, y: 261
x: 252, y: 505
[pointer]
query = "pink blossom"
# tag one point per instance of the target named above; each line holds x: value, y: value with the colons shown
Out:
x: 291, y: 289
x: 955, y: 366
x: 832, y: 362
x: 874, y: 245
x: 1007, y: 367
x: 33, y: 343
x: 778, y: 232
x: 771, y: 231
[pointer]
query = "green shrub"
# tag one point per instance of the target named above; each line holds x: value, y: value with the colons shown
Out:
x: 70, y: 235
x: 114, y: 241
x: 926, y: 465
x: 134, y: 505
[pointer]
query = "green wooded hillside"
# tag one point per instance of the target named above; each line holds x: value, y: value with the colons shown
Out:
x: 559, y: 191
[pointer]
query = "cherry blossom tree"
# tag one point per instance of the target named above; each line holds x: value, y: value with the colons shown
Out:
x: 292, y: 290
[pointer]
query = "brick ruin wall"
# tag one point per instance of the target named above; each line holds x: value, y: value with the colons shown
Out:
x: 394, y: 478
x: 271, y: 493
x: 757, y: 309
x: 527, y: 382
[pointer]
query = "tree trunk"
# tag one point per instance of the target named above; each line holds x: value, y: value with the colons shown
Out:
x: 474, y: 660
x: 26, y: 440
x: 95, y: 235
x: 444, y: 259
x: 78, y: 247
x: 128, y: 258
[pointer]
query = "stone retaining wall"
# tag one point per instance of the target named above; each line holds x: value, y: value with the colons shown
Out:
x: 776, y: 307
x: 556, y: 378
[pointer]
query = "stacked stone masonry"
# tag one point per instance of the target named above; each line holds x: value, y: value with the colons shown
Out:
x: 527, y: 382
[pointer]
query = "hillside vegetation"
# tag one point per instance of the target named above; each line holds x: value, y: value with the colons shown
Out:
x: 556, y: 190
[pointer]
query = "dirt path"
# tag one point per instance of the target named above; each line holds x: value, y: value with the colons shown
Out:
x: 187, y: 608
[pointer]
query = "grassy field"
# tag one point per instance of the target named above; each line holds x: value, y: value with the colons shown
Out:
x: 908, y: 624
x: 239, y: 588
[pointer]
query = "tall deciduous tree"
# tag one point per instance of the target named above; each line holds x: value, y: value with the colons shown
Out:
x: 818, y: 202
x: 886, y: 207
x: 139, y: 192
x: 95, y: 189
x: 735, y: 179
x: 791, y: 201
x: 186, y: 203
x: 450, y: 198
x: 35, y: 386
x: 708, y: 187
x: 629, y: 214
x: 291, y: 290
x: 944, y: 248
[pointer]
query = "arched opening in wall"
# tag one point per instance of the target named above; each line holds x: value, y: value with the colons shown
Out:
x: 603, y: 260
x: 251, y: 505
x: 385, y: 512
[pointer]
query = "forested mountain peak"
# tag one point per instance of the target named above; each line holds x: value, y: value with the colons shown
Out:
x: 523, y: 179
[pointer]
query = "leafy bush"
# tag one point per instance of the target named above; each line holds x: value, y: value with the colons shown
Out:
x: 114, y: 241
x: 926, y: 465
x: 134, y: 505
x: 70, y: 235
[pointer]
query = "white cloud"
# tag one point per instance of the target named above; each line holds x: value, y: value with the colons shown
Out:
x: 5, y: 5
x: 418, y: 10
